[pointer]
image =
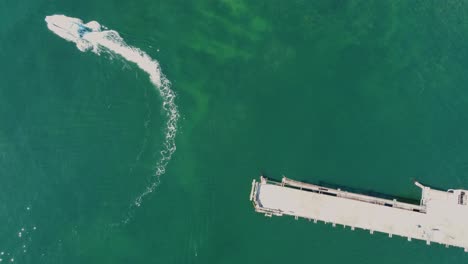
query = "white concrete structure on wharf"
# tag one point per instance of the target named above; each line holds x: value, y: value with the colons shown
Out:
x: 441, y: 217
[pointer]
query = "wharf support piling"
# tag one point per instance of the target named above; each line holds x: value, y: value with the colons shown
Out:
x: 441, y: 217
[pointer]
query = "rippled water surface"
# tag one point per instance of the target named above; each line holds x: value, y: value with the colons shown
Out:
x: 364, y: 94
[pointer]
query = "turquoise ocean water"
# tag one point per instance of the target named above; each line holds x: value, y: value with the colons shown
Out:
x: 365, y: 94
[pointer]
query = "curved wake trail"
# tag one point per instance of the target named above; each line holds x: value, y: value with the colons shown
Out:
x: 90, y: 36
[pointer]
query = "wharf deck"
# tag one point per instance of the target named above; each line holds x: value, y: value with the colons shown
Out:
x: 441, y: 217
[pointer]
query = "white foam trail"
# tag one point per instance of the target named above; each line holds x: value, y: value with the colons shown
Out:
x: 92, y: 37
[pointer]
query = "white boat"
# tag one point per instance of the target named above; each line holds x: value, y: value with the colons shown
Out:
x: 73, y: 29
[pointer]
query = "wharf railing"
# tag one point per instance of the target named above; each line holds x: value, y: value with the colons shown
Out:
x: 286, y: 182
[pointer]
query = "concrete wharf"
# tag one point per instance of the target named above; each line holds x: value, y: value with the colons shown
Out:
x: 441, y: 216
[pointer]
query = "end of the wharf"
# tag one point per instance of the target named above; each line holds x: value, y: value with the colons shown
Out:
x: 440, y: 217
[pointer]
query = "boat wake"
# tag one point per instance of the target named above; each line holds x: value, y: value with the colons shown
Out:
x: 96, y: 38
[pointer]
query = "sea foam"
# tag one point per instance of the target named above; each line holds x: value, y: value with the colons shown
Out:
x: 98, y: 39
